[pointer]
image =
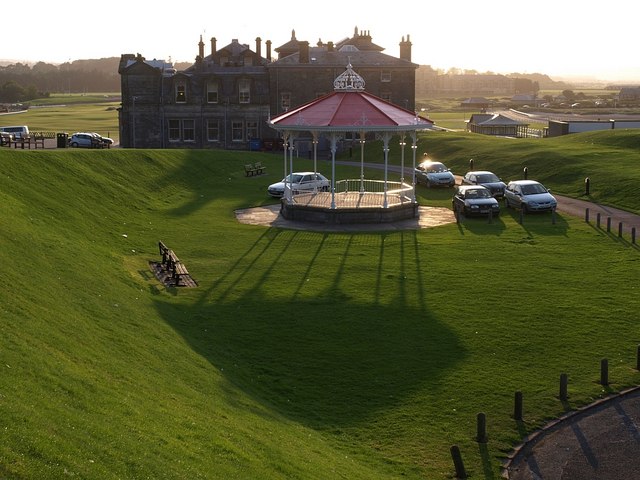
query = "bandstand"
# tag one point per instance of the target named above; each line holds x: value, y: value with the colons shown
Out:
x: 349, y: 110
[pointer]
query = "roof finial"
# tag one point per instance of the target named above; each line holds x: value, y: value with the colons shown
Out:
x: 349, y: 80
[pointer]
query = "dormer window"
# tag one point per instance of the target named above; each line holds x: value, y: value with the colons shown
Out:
x: 181, y: 93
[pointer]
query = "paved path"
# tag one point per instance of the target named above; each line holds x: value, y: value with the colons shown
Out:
x: 600, y: 442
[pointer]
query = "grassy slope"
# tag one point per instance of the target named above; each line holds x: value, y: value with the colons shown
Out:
x: 300, y: 355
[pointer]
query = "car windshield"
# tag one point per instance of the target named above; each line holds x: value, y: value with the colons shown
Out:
x: 533, y: 189
x: 293, y: 178
x: 477, y: 193
x: 435, y: 168
x: 488, y: 178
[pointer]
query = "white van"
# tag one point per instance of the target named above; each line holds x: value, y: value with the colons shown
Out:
x: 16, y: 132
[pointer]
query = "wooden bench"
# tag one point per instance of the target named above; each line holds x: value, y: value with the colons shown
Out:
x: 249, y: 170
x: 172, y: 263
x: 22, y: 140
x: 256, y: 169
x: 259, y: 168
x: 38, y: 140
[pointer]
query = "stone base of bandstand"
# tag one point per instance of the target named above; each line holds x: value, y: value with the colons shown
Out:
x: 348, y: 215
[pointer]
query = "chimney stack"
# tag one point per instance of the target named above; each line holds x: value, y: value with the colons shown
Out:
x: 405, y: 49
x: 329, y: 46
x: 201, y: 48
x: 213, y: 45
x: 304, y: 52
x: 259, y: 46
x: 268, y: 42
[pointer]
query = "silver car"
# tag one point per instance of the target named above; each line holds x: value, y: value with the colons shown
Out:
x: 434, y: 174
x: 529, y: 195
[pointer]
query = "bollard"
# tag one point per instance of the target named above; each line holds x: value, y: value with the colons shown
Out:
x: 457, y: 462
x: 620, y: 229
x: 517, y: 408
x: 608, y: 224
x: 553, y: 216
x: 604, y: 372
x: 521, y: 216
x: 638, y: 358
x: 633, y: 235
x: 525, y: 172
x: 587, y: 186
x: 563, y: 386
x: 482, y: 428
x: 586, y: 215
x: 471, y: 164
x: 598, y: 219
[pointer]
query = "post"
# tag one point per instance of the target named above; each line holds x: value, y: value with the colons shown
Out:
x: 604, y: 372
x: 525, y: 172
x: 491, y: 215
x: 587, y: 185
x: 633, y: 235
x: 598, y: 216
x: 563, y: 386
x: 471, y: 164
x: 608, y: 224
x: 586, y: 215
x: 517, y: 409
x: 620, y: 229
x: 482, y: 428
x: 553, y: 216
x: 638, y: 358
x: 457, y: 462
x: 521, y: 216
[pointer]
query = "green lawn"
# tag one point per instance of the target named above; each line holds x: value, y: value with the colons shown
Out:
x: 300, y: 354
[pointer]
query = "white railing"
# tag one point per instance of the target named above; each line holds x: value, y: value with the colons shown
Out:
x: 355, y: 193
x: 371, y: 186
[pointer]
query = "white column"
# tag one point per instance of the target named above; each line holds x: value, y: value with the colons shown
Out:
x: 362, y: 136
x: 385, y: 140
x: 414, y: 147
x: 285, y: 139
x: 334, y: 143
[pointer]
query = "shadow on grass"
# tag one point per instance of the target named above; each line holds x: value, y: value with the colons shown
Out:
x: 326, y: 359
x: 487, y: 470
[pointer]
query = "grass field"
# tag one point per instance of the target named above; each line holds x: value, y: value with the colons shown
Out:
x: 299, y: 355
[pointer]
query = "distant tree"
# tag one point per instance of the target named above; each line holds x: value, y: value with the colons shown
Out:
x: 568, y: 94
x: 11, y: 92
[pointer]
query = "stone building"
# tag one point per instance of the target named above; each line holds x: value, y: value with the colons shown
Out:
x: 226, y: 97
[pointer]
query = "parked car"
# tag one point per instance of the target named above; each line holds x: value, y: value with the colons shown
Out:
x: 105, y: 140
x: 300, y: 182
x: 434, y: 174
x: 487, y: 179
x: 475, y: 200
x: 529, y: 195
x: 87, y: 140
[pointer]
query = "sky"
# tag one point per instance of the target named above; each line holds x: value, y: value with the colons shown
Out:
x: 561, y: 38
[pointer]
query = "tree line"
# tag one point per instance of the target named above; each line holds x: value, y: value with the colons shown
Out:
x: 21, y: 82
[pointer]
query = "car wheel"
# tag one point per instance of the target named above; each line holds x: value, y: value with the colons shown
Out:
x: 325, y: 189
x: 74, y: 144
x: 506, y: 203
